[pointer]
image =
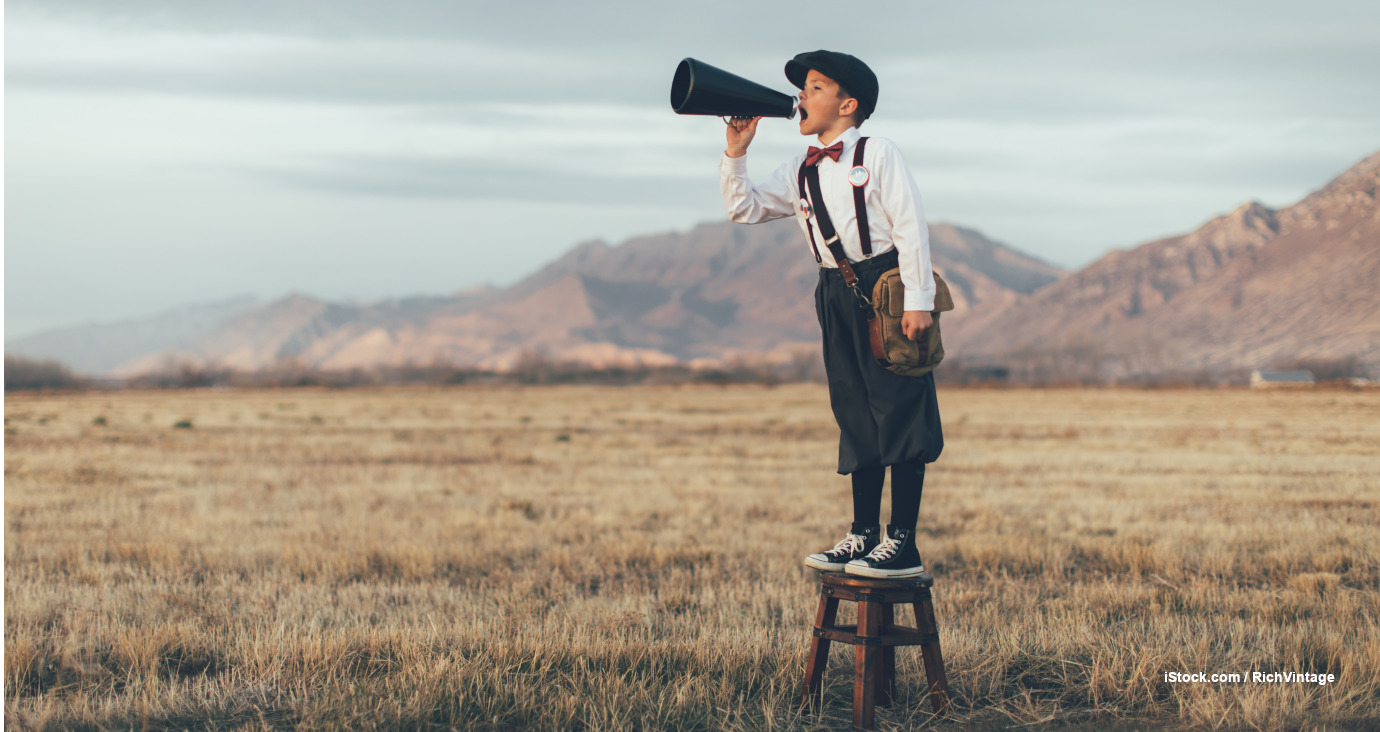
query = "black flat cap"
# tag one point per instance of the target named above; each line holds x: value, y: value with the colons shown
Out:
x: 848, y: 71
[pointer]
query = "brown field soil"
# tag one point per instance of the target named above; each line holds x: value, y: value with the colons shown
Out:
x: 629, y: 558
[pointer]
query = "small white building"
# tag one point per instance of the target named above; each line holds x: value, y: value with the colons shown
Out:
x: 1282, y: 379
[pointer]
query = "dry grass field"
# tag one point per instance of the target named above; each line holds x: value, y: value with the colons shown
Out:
x: 629, y: 558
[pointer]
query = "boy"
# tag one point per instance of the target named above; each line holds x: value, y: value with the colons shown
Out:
x: 884, y: 418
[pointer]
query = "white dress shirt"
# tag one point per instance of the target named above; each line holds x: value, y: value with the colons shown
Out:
x: 895, y: 217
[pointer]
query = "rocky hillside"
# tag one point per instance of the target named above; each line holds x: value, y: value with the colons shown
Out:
x: 1245, y: 290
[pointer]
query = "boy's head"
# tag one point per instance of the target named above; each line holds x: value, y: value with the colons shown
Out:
x: 833, y: 86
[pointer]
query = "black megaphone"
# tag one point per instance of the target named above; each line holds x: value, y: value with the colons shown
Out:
x: 699, y: 88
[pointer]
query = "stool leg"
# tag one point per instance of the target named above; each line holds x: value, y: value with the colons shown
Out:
x: 934, y: 659
x: 865, y: 678
x: 886, y: 678
x: 886, y: 681
x: 819, y: 647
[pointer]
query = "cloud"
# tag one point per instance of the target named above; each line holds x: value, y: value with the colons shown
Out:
x: 1013, y: 60
x: 478, y: 179
x: 355, y: 71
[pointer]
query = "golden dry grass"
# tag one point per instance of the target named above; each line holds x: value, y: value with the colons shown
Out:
x: 629, y: 558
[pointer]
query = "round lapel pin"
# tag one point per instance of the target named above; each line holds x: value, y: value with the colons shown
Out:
x: 804, y: 207
x: 858, y: 176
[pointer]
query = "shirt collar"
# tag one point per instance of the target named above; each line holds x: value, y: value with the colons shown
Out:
x: 847, y: 137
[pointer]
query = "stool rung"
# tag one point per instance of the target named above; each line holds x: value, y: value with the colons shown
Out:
x: 849, y: 634
x: 907, y: 596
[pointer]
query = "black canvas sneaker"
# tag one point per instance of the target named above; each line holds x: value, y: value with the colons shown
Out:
x: 895, y: 557
x: 859, y: 541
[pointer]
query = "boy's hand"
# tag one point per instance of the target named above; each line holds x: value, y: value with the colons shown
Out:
x: 915, y: 322
x: 740, y: 134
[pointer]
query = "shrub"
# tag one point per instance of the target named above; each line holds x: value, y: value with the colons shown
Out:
x: 25, y: 373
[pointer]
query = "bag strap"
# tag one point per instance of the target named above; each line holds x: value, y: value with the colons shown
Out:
x: 860, y: 201
x: 831, y: 240
x: 826, y: 226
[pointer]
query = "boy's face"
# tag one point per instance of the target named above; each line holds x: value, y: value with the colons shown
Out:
x: 820, y: 106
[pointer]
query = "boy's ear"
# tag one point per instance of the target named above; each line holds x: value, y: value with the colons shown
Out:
x: 849, y: 106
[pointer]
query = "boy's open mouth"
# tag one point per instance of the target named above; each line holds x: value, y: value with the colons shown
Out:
x: 803, y: 114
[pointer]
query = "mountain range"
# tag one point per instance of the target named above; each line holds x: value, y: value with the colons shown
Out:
x: 1244, y: 290
x: 717, y: 292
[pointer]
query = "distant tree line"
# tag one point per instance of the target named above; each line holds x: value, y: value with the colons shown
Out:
x: 1326, y: 369
x: 531, y: 367
x: 1076, y: 363
x: 1148, y: 363
x: 26, y: 373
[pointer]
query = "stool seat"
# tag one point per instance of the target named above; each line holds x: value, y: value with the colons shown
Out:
x: 876, y: 636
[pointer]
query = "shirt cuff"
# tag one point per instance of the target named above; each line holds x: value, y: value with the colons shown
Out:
x: 916, y: 300
x: 736, y: 165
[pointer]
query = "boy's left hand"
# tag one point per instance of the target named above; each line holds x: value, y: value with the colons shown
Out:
x: 914, y: 322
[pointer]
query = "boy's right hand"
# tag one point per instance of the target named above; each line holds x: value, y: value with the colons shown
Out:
x: 740, y: 134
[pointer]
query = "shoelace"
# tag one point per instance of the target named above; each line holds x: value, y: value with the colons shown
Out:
x: 848, y: 545
x: 885, y: 550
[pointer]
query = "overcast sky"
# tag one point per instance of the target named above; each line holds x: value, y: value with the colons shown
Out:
x: 165, y: 152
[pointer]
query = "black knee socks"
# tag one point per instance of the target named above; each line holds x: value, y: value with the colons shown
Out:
x: 907, y: 483
x: 867, y: 495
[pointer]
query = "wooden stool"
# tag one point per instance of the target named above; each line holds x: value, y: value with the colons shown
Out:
x: 876, y: 635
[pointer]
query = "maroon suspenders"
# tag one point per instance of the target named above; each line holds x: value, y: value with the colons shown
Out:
x: 809, y: 175
x: 800, y: 180
x: 809, y: 178
x: 859, y: 202
x: 809, y: 181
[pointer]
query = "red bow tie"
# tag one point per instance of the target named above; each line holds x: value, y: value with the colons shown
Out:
x: 814, y: 154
